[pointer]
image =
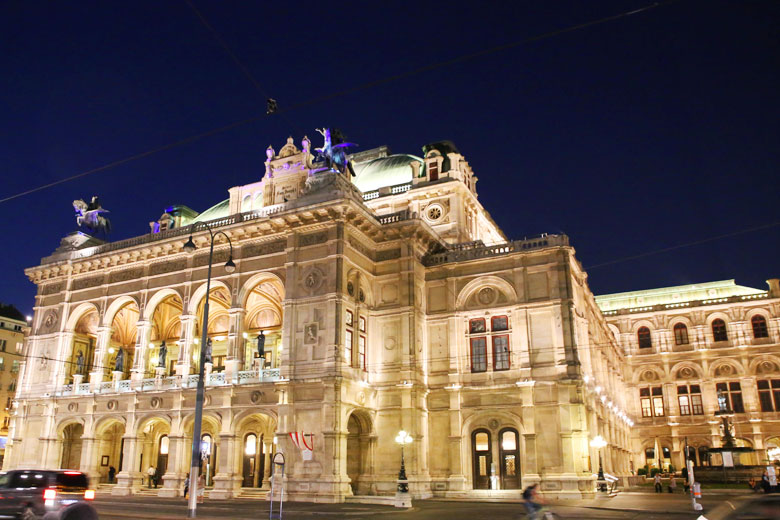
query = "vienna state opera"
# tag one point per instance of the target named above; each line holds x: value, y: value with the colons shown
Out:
x: 386, y: 301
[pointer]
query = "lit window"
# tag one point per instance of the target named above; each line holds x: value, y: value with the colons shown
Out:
x: 759, y: 327
x: 643, y: 335
x: 481, y: 441
x: 652, y: 401
x: 477, y: 326
x: 730, y: 394
x: 719, y: 330
x: 362, y: 352
x: 680, y: 334
x: 499, y: 323
x: 769, y: 395
x: 500, y: 352
x: 479, y: 354
x: 689, y: 398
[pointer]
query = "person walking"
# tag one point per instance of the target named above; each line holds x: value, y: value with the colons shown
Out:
x: 532, y: 501
x: 111, y: 474
x: 201, y: 487
x: 672, y: 484
x: 150, y: 473
x: 657, y: 481
x: 186, y: 486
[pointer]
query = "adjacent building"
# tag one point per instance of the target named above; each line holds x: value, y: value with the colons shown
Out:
x: 13, y: 328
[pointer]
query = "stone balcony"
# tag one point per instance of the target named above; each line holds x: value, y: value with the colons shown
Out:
x: 244, y: 377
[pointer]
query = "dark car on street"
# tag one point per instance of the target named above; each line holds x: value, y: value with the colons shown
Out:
x: 31, y: 494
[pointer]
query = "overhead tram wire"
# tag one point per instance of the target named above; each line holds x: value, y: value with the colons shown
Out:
x: 680, y: 246
x: 340, y: 93
x: 244, y: 69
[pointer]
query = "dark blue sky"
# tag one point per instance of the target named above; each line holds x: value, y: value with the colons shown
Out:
x: 631, y: 136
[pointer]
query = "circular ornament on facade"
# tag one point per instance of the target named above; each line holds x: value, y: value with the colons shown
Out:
x: 313, y: 279
x: 350, y: 289
x: 486, y: 295
x: 434, y: 212
x: 361, y: 295
x: 73, y: 407
x: 112, y: 404
x: 725, y: 370
x: 649, y: 375
x: 389, y: 343
x: 493, y: 424
x: 766, y: 367
x: 686, y: 373
x: 206, y: 400
x: 256, y: 396
x: 156, y: 402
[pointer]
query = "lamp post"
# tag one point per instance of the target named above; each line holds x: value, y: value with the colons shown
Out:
x: 403, y: 439
x: 598, y: 442
x: 189, y: 247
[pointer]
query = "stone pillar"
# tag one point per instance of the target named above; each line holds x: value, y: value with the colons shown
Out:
x: 178, y: 466
x: 129, y: 479
x: 61, y: 363
x: 188, y: 346
x: 268, y: 450
x: 141, y: 350
x: 89, y: 463
x: 100, y: 358
x: 235, y: 354
x: 227, y: 481
x: 457, y: 478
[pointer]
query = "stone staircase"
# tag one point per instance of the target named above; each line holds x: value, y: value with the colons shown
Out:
x: 253, y: 493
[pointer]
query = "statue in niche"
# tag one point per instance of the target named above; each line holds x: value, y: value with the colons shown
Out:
x: 91, y: 216
x: 80, y: 363
x: 207, y: 352
x: 119, y: 362
x: 261, y: 346
x: 163, y: 355
x: 333, y: 151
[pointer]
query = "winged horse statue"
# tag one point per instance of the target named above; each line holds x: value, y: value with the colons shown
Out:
x: 335, y: 155
x: 91, y: 216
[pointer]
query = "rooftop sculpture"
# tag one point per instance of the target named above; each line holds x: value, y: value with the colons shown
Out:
x: 333, y: 151
x: 90, y: 216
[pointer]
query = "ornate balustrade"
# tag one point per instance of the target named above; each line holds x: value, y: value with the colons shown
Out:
x: 472, y: 253
x: 268, y: 375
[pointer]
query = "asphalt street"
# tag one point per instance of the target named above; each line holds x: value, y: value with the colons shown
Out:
x: 627, y: 506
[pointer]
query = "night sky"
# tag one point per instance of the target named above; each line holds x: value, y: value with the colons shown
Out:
x: 638, y: 134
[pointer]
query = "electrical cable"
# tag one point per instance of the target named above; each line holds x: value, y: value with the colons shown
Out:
x: 337, y: 94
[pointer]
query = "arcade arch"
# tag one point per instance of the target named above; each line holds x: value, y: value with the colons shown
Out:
x: 152, y: 448
x: 82, y: 351
x: 217, y: 328
x: 72, y: 443
x: 359, y: 452
x: 165, y: 326
x: 256, y: 449
x: 262, y: 300
x: 124, y: 333
x: 109, y: 436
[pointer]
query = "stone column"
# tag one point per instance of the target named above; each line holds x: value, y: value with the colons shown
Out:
x: 227, y: 481
x: 100, y: 359
x: 89, y: 462
x: 61, y: 364
x: 235, y: 354
x: 141, y: 350
x: 129, y: 479
x: 178, y: 466
x: 188, y: 346
x: 268, y: 450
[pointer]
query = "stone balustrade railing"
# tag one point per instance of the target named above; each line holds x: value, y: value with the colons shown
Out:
x: 472, y: 253
x: 243, y: 377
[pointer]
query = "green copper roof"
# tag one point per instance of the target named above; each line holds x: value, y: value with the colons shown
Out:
x: 385, y: 171
x: 218, y: 211
x: 676, y: 294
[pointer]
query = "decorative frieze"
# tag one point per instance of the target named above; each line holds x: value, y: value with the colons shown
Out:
x: 313, y: 238
x: 125, y: 275
x: 388, y: 254
x: 168, y: 266
x: 86, y: 283
x: 52, y: 288
x: 263, y: 248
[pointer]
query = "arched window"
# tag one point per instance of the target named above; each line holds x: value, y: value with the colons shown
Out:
x: 704, y: 455
x: 719, y: 330
x: 509, y: 456
x: 481, y: 453
x: 250, y: 445
x: 643, y: 334
x: 680, y: 334
x: 164, y: 445
x: 759, y: 326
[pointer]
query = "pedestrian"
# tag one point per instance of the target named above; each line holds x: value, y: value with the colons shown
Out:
x: 657, y: 481
x: 156, y: 476
x: 753, y: 485
x: 150, y: 472
x: 532, y: 501
x: 186, y: 486
x: 111, y: 474
x: 201, y: 487
x: 672, y: 484
x: 765, y: 485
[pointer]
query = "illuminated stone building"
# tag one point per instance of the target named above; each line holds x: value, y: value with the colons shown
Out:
x: 13, y: 328
x: 683, y: 346
x: 389, y: 302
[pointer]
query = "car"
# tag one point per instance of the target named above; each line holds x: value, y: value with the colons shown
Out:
x: 765, y: 507
x: 32, y: 494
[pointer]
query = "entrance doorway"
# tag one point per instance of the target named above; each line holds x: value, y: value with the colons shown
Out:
x: 71, y: 446
x: 162, y: 458
x: 253, y: 463
x: 483, y: 460
x: 509, y: 455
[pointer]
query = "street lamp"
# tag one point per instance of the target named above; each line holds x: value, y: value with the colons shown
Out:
x: 598, y: 442
x: 189, y: 247
x: 403, y: 439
